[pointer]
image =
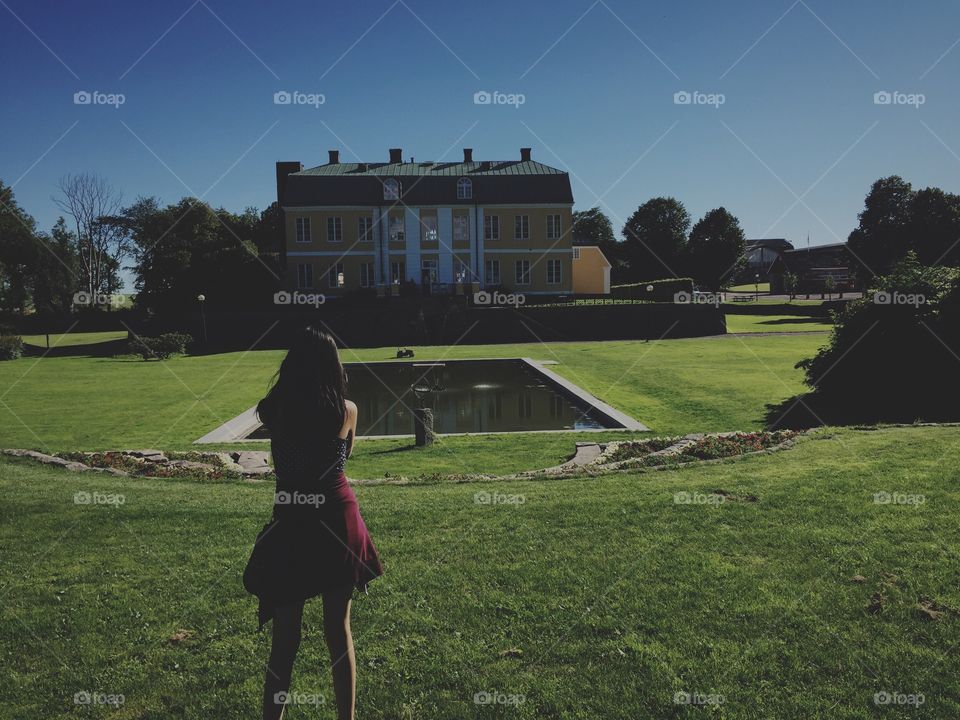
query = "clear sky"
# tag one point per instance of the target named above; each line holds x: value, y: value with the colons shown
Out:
x: 791, y: 149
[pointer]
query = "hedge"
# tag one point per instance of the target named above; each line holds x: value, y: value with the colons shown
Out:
x: 160, y: 347
x: 654, y: 290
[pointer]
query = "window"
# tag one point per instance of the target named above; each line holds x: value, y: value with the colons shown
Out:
x: 334, y: 229
x: 553, y: 227
x: 576, y: 253
x: 554, y: 271
x: 304, y: 276
x: 365, y: 229
x: 391, y: 190
x: 521, y: 227
x: 462, y: 272
x: 303, y: 229
x: 464, y: 189
x: 493, y: 272
x: 397, y: 272
x: 523, y: 272
x: 366, y: 275
x: 396, y: 228
x: 460, y: 228
x: 429, y: 223
x: 429, y: 270
x: 491, y: 227
x: 335, y: 275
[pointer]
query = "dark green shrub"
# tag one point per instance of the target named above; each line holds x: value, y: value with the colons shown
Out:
x: 11, y: 347
x: 160, y: 347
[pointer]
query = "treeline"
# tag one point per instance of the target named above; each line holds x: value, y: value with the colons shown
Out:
x: 175, y: 252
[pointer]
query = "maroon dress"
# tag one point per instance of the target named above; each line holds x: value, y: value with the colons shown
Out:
x: 316, y: 540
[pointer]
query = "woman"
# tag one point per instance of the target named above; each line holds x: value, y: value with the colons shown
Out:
x: 316, y: 543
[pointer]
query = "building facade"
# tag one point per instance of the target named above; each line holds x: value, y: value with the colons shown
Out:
x: 591, y: 271
x: 446, y: 227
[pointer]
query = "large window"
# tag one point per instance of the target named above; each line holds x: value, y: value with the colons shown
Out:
x: 521, y: 227
x: 365, y: 229
x: 396, y: 228
x: 464, y: 189
x: 554, y: 272
x: 335, y: 276
x: 522, y: 275
x: 391, y: 190
x: 429, y: 223
x: 429, y: 270
x: 462, y: 272
x: 491, y: 227
x: 397, y: 272
x: 553, y: 227
x: 303, y: 229
x: 334, y: 229
x: 366, y: 275
x: 305, y: 276
x: 493, y: 272
x: 460, y: 228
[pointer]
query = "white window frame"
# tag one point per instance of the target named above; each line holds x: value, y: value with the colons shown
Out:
x: 397, y: 229
x: 461, y: 228
x: 554, y: 266
x: 523, y: 221
x: 462, y: 272
x: 304, y: 273
x: 464, y: 189
x: 334, y: 229
x: 397, y: 270
x: 334, y: 273
x: 367, y: 275
x: 430, y: 232
x: 364, y: 229
x: 576, y: 253
x: 432, y: 266
x: 392, y: 189
x: 518, y: 274
x: 303, y: 229
x: 493, y: 272
x: 554, y: 231
x: 491, y: 227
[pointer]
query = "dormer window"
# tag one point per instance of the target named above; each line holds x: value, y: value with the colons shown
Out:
x: 391, y: 190
x: 464, y: 189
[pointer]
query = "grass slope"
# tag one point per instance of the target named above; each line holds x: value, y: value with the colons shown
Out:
x: 610, y: 597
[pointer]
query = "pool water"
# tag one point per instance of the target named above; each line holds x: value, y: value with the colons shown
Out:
x: 467, y: 396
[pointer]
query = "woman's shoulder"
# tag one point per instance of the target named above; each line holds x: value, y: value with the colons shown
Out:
x: 351, y: 407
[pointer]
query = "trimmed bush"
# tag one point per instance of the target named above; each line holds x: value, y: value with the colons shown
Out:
x: 654, y: 290
x: 11, y: 347
x: 160, y: 347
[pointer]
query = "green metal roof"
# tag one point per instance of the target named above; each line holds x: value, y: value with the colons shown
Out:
x: 434, y: 169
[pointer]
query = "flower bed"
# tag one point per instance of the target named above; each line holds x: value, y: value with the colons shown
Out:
x: 708, y: 447
x: 637, y: 448
x: 177, y: 465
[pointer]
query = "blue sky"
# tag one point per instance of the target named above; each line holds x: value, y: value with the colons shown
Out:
x: 798, y: 79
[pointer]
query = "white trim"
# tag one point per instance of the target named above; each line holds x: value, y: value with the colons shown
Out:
x: 331, y: 253
x: 531, y: 251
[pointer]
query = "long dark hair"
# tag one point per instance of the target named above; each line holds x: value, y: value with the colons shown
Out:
x: 308, y: 391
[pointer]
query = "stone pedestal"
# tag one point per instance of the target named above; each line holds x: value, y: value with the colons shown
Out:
x: 423, y: 426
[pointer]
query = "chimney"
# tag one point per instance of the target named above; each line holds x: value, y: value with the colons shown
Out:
x: 334, y: 156
x: 396, y: 155
x: 468, y: 155
x: 524, y: 154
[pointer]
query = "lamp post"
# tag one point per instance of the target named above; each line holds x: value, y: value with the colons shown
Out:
x: 203, y: 318
x: 756, y: 284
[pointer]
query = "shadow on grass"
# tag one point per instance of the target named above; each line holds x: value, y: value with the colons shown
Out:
x: 402, y: 448
x: 811, y: 410
x: 109, y: 348
x: 794, y: 321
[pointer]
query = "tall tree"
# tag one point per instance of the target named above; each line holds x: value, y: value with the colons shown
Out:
x: 18, y: 244
x: 882, y: 237
x: 55, y: 273
x: 91, y: 202
x: 716, y: 249
x: 934, y: 227
x: 654, y: 239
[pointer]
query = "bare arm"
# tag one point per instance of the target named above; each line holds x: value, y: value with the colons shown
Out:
x: 350, y: 424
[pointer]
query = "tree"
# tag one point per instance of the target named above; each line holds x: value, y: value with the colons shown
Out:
x: 934, y: 226
x: 17, y: 247
x: 55, y: 272
x: 592, y: 227
x: 882, y: 236
x: 829, y: 284
x: 716, y: 249
x: 654, y: 239
x: 91, y: 203
x: 790, y: 281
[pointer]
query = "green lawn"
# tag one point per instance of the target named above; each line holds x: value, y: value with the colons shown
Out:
x: 76, y: 338
x: 672, y: 386
x: 596, y: 598
x: 776, y: 323
x: 763, y: 287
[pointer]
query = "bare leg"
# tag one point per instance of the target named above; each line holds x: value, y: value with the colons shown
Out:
x: 286, y: 641
x: 336, y: 628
